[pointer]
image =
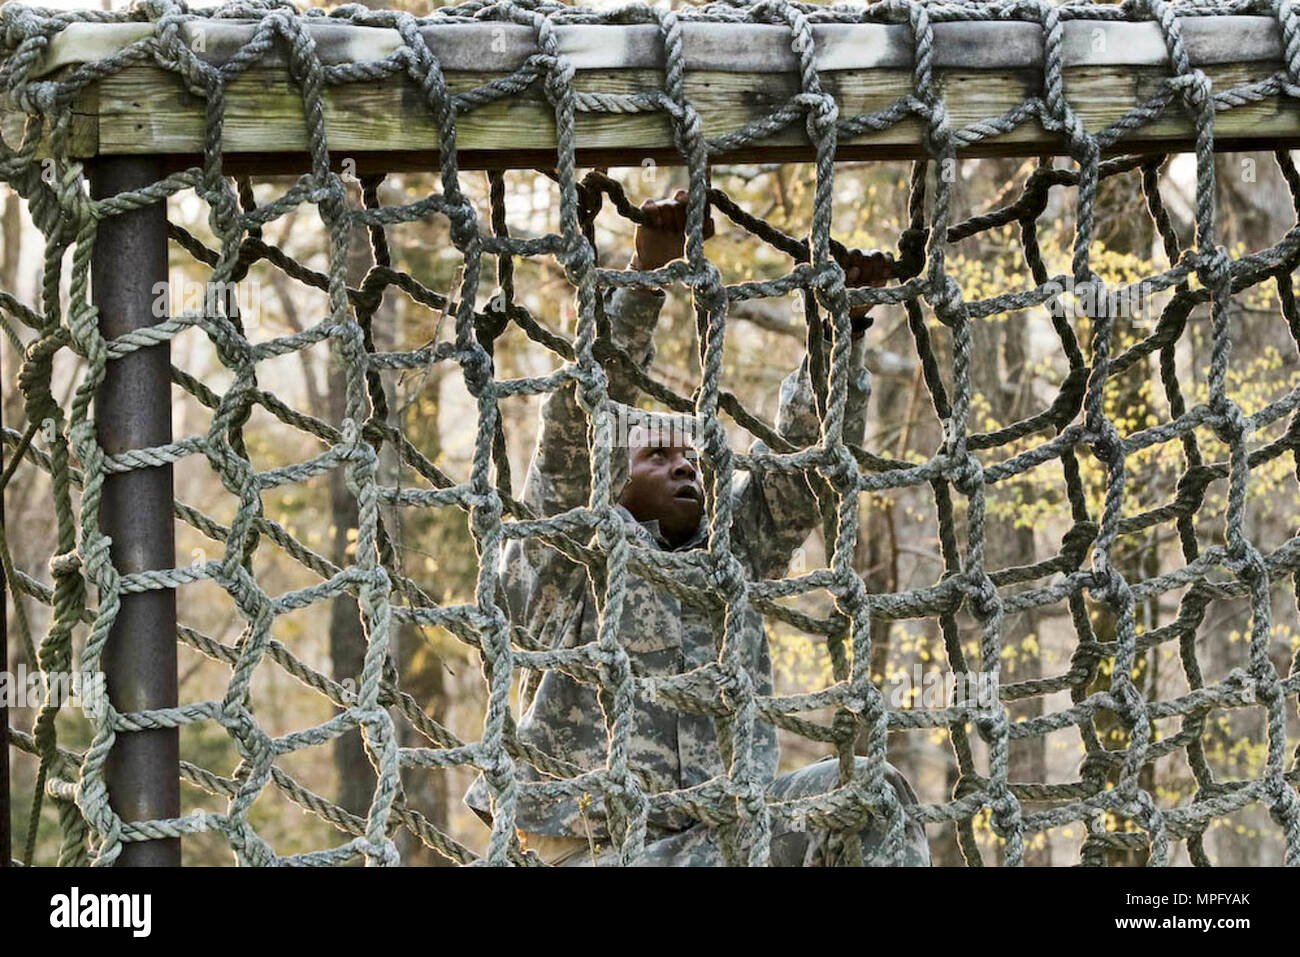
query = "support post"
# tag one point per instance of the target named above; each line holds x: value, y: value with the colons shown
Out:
x: 6, y: 841
x: 132, y: 411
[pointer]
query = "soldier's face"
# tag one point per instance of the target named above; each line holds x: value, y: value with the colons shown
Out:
x: 663, y: 483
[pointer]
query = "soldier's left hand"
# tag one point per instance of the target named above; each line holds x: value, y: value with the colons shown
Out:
x: 862, y: 268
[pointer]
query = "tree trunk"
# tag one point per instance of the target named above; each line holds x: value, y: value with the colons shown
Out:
x: 1123, y: 232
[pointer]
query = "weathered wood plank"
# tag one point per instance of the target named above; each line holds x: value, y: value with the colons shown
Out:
x: 497, y: 47
x: 83, y: 133
x: 144, y: 110
x: 737, y: 73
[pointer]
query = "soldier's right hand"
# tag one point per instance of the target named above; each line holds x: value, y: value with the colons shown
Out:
x: 863, y: 268
x: 661, y: 238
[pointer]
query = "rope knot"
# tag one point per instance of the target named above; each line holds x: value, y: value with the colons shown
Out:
x: 1195, y: 88
x: 1006, y: 811
x: 1231, y: 426
x: 1076, y: 542
x: 1245, y: 561
x: 946, y: 300
x: 497, y: 767
x: 854, y: 704
x: 709, y: 289
x: 243, y: 727
x: 66, y: 564
x: 843, y: 467
x: 1106, y: 446
x: 1284, y: 807
x: 992, y: 726
x: 20, y: 23
x: 1136, y: 9
x: 378, y: 853
x: 735, y: 684
x: 1214, y: 267
x: 729, y: 575
x: 559, y: 79
x: 486, y: 516
x: 937, y: 133
x: 823, y: 111
x: 463, y: 225
x: 36, y: 97
x: 333, y: 197
x: 1109, y: 586
x: 984, y: 597
x: 911, y: 253
x: 1239, y: 680
x: 578, y: 259
x: 591, y: 389
x: 1290, y: 25
x: 158, y: 9
x: 478, y: 372
x: 968, y: 475
x: 1094, y: 768
x: 610, y: 529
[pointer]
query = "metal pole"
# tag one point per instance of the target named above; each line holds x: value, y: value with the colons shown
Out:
x: 133, y: 410
x: 6, y: 843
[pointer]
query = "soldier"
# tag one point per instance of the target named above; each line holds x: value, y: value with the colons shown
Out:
x: 662, y: 504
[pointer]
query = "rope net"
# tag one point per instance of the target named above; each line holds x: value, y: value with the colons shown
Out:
x: 86, y: 589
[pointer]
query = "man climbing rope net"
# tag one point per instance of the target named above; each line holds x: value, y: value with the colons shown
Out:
x: 662, y: 503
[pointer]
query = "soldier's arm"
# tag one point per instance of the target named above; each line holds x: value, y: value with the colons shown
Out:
x: 559, y: 477
x: 539, y: 581
x: 776, y: 511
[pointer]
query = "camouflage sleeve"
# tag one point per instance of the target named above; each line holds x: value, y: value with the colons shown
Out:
x: 559, y: 475
x: 776, y: 511
x: 539, y: 582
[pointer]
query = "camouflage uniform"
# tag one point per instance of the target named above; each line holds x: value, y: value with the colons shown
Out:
x: 551, y: 596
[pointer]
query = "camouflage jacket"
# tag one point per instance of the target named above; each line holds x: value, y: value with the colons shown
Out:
x: 551, y: 596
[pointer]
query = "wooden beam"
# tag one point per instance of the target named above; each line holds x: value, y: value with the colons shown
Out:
x: 985, y: 69
x: 496, y: 47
